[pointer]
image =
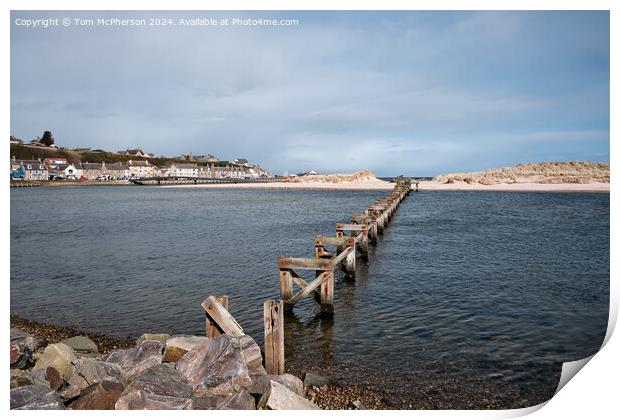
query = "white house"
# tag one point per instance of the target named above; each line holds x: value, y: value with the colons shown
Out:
x: 74, y: 171
x: 184, y: 170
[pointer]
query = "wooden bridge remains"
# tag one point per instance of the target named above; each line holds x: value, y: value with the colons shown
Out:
x: 350, y: 241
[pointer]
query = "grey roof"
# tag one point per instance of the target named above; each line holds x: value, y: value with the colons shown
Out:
x: 92, y: 166
x: 139, y: 163
x: 116, y: 166
x: 34, y: 163
x: 185, y: 165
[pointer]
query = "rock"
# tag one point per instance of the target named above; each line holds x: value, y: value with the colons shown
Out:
x: 138, y: 400
x: 215, y: 367
x: 52, y: 376
x: 87, y: 372
x: 279, y: 397
x: 58, y: 356
x: 35, y: 397
x: 357, y: 405
x: 251, y: 354
x: 260, y: 382
x: 313, y: 379
x: 23, y: 339
x: 177, y: 346
x: 292, y: 382
x: 162, y: 338
x: 240, y: 401
x: 21, y: 356
x: 21, y: 378
x: 68, y: 392
x: 138, y: 359
x: 162, y: 380
x: 100, y: 396
x: 390, y: 402
x: 82, y: 345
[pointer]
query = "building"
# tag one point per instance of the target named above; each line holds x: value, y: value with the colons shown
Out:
x: 34, y: 170
x: 53, y: 162
x: 164, y: 171
x: 57, y: 172
x: 73, y: 171
x: 184, y: 170
x: 141, y: 169
x: 15, y: 140
x: 137, y: 152
x: 117, y: 170
x: 93, y: 170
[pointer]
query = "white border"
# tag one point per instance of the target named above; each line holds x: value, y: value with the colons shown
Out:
x: 592, y: 394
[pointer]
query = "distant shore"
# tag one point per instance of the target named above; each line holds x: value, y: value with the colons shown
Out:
x: 516, y: 187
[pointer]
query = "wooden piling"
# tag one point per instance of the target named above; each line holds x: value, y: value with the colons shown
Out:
x: 273, y: 321
x: 286, y: 288
x: 327, y: 294
x: 350, y: 260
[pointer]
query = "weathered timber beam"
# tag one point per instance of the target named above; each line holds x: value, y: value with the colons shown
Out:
x: 299, y: 281
x: 331, y: 240
x: 305, y: 263
x: 343, y: 254
x: 349, y: 227
x: 309, y: 288
x: 221, y: 317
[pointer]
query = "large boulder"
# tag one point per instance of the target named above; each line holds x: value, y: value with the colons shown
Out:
x: 292, y: 382
x: 100, y: 396
x: 35, y: 397
x: 279, y: 397
x: 216, y: 367
x: 86, y: 372
x: 138, y: 359
x: 162, y: 338
x: 59, y: 356
x: 260, y: 383
x: 241, y: 400
x: 162, y: 380
x: 251, y: 354
x: 177, y: 346
x: 82, y: 345
x: 139, y: 400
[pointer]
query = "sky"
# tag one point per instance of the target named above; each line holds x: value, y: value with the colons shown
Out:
x: 413, y: 93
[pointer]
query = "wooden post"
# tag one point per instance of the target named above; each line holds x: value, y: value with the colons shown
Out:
x: 286, y: 288
x: 273, y: 320
x: 211, y: 328
x: 350, y: 260
x: 327, y: 294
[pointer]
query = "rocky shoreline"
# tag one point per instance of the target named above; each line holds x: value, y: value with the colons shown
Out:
x: 54, y: 367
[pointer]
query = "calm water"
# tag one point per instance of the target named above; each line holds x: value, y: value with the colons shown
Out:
x: 468, y: 295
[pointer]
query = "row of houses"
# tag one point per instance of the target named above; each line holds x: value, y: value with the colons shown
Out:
x: 60, y: 168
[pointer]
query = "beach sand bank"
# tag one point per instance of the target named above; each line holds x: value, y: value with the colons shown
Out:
x: 517, y: 187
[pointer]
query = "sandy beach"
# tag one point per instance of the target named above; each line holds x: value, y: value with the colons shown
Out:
x: 529, y: 186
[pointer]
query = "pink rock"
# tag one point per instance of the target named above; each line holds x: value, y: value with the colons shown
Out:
x: 216, y: 367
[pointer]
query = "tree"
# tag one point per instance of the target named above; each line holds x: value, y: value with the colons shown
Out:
x: 47, y: 138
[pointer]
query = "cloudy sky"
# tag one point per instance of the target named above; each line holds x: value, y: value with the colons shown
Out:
x: 416, y: 93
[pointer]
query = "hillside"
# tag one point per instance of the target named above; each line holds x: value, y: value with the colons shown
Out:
x: 23, y: 152
x: 538, y: 173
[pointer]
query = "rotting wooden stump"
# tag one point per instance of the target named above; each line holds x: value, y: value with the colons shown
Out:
x: 273, y: 321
